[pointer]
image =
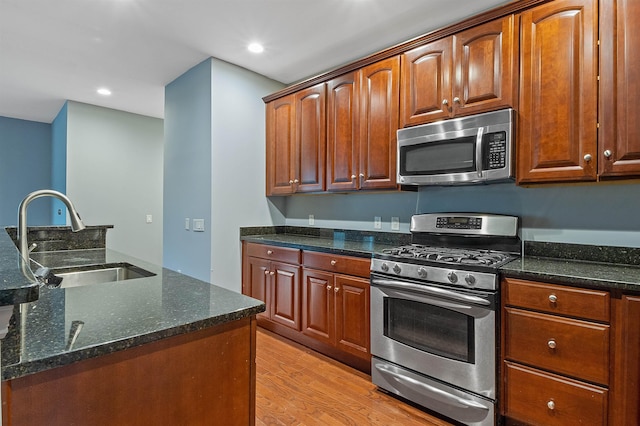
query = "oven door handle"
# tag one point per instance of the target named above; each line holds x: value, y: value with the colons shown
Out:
x: 435, y: 291
x: 409, y: 381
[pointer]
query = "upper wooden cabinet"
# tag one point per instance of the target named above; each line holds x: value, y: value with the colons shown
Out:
x: 470, y: 72
x: 362, y: 121
x: 557, y: 137
x: 619, y: 134
x: 296, y: 142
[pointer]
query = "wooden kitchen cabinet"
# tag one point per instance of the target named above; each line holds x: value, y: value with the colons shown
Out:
x: 335, y: 307
x: 557, y: 136
x: 330, y: 311
x: 470, y: 72
x: 618, y: 152
x: 267, y: 277
x: 556, y: 353
x: 362, y: 110
x: 296, y: 142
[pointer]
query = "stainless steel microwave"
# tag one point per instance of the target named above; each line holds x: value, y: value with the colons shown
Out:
x: 466, y: 150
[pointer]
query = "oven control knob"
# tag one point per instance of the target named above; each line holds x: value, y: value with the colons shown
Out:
x: 452, y: 277
x: 396, y: 268
x: 384, y: 267
x: 470, y: 279
x: 422, y: 272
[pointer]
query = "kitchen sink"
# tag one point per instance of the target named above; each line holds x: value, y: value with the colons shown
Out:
x: 95, y: 274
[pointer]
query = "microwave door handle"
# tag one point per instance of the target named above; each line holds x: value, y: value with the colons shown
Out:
x: 435, y: 291
x: 479, y: 151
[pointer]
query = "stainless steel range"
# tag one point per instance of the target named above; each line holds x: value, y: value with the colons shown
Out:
x: 434, y: 307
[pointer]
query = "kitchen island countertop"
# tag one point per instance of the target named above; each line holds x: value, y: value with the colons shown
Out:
x: 114, y: 316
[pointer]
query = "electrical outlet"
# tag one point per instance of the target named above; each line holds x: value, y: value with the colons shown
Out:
x: 312, y: 220
x: 395, y: 223
x: 377, y: 222
x: 149, y: 218
x: 198, y: 225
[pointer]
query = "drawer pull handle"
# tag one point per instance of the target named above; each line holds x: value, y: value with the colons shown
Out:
x: 552, y: 344
x: 551, y: 405
x: 553, y: 298
x: 333, y: 263
x: 269, y: 252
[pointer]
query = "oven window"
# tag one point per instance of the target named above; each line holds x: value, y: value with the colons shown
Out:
x: 429, y: 328
x: 450, y: 156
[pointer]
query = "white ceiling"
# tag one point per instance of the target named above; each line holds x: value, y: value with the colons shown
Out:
x: 54, y: 50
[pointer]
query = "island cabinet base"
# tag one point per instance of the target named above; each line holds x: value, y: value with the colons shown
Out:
x: 205, y: 377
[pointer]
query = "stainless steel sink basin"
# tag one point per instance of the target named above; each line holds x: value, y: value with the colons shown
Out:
x: 96, y: 274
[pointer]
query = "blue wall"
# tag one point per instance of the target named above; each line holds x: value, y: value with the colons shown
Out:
x: 598, y: 214
x: 25, y: 166
x: 187, y: 172
x: 59, y: 165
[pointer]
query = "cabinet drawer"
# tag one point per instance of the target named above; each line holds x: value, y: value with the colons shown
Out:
x: 541, y: 398
x: 557, y: 299
x: 357, y: 266
x: 281, y: 254
x: 563, y: 345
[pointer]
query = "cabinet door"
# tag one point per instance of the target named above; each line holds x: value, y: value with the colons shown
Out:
x: 379, y: 99
x: 352, y: 315
x: 426, y: 83
x: 256, y: 281
x: 625, y: 352
x: 285, y: 294
x: 619, y: 85
x: 310, y: 139
x: 281, y: 149
x: 342, y: 133
x: 317, y: 305
x: 558, y: 92
x: 486, y: 62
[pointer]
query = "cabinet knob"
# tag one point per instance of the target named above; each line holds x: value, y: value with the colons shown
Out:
x: 353, y: 177
x: 291, y: 182
x: 336, y: 289
x: 456, y: 100
x: 266, y: 272
x: 333, y: 262
x: 361, y: 175
x: 607, y: 153
x: 329, y: 288
x: 587, y: 157
x: 269, y: 252
x: 296, y: 181
x: 552, y: 344
x: 553, y: 298
x: 272, y: 273
x: 445, y: 102
x: 551, y: 405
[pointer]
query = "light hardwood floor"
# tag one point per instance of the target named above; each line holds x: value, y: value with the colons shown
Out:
x: 297, y: 386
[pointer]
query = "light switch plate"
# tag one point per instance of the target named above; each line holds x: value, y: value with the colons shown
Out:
x: 198, y: 225
x: 377, y: 222
x: 312, y: 219
x: 395, y: 223
x: 187, y: 225
x: 149, y: 218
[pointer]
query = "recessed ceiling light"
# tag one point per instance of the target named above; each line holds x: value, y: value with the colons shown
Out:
x: 104, y: 91
x: 255, y: 48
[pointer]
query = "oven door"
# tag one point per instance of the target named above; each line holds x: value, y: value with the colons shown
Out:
x: 446, y: 333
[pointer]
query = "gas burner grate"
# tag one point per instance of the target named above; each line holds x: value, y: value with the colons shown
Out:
x: 449, y: 255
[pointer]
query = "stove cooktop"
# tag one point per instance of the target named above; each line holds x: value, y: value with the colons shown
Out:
x: 448, y: 255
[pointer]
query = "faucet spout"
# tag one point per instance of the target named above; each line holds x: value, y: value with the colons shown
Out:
x: 76, y: 222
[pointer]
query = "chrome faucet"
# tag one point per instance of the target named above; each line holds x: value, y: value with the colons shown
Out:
x: 76, y: 222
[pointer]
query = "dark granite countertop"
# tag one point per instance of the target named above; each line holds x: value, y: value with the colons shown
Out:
x: 15, y: 287
x: 115, y: 316
x: 597, y: 267
x: 590, y: 266
x: 337, y: 241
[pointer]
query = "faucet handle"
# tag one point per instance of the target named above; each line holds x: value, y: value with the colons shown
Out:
x: 32, y: 247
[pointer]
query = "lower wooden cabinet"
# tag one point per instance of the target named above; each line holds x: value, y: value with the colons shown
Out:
x: 335, y: 311
x: 569, y: 355
x: 321, y: 300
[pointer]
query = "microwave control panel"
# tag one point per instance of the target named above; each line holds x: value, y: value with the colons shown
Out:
x: 495, y: 147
